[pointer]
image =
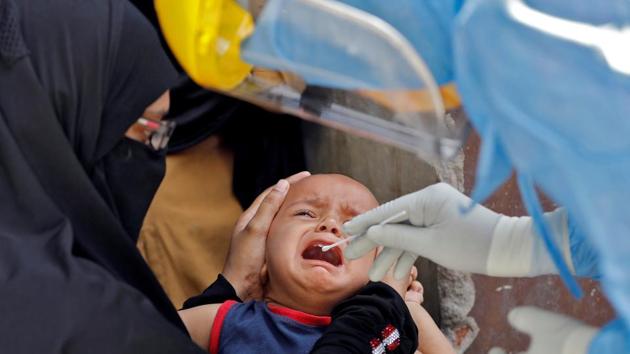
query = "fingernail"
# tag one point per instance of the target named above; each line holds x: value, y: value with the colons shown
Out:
x: 282, y: 186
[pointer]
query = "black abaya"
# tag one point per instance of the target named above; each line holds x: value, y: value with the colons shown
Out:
x: 73, y: 76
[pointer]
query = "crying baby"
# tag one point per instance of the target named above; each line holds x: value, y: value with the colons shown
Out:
x: 303, y: 283
x: 301, y: 276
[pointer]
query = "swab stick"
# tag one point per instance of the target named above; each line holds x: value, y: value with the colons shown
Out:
x: 348, y: 239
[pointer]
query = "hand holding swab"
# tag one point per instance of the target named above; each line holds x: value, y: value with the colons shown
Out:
x: 348, y: 239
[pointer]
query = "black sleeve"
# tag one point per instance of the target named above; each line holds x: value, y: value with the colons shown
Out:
x: 219, y: 291
x: 376, y: 316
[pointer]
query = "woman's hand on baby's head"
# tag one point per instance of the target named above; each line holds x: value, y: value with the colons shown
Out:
x: 246, y: 255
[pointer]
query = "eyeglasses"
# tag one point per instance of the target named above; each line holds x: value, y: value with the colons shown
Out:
x: 157, y: 132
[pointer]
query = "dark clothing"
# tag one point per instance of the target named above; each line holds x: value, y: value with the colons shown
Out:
x: 147, y: 8
x: 371, y: 313
x: 74, y: 75
x: 219, y: 291
x: 359, y: 324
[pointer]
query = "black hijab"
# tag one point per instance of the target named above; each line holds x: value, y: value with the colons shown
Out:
x: 99, y: 81
x: 74, y: 75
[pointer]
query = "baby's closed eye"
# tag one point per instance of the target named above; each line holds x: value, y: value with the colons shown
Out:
x: 305, y: 212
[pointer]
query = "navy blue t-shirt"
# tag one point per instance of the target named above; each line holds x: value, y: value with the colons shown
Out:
x: 258, y: 327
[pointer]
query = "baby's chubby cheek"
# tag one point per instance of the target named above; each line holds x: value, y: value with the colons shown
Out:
x: 359, y: 270
x: 362, y: 265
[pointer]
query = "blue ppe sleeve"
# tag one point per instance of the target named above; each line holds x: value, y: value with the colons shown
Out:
x: 583, y: 254
x: 556, y: 111
x: 614, y: 338
x: 532, y: 204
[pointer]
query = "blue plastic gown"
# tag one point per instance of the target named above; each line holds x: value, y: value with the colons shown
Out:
x: 555, y: 111
x: 583, y: 254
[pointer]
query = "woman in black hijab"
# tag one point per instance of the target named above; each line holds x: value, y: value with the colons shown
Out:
x: 74, y: 76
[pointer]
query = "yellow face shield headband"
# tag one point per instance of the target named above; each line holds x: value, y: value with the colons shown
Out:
x: 205, y: 37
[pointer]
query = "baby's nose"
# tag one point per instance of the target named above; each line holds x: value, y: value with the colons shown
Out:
x: 330, y: 225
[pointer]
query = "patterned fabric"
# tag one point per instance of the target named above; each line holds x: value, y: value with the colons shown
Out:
x: 388, y: 342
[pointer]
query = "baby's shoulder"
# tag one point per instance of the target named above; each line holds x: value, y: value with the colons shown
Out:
x: 199, y: 320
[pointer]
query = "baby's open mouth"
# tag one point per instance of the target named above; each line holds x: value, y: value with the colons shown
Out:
x: 314, y: 251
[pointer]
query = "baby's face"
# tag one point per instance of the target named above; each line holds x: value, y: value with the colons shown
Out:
x: 301, y: 275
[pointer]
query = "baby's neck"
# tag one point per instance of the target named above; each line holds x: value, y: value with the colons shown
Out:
x: 312, y: 304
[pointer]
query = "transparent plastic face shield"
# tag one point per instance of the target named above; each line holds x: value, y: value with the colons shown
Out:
x: 331, y: 63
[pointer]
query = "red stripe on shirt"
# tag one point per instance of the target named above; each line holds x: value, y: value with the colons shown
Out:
x: 299, y: 316
x: 215, y: 332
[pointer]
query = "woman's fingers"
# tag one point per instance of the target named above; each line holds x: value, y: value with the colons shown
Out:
x: 260, y: 222
x: 271, y: 200
x: 298, y: 176
x: 248, y: 214
x: 247, y: 248
x: 244, y: 263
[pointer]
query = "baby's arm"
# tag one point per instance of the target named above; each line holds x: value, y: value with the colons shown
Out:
x: 198, y: 321
x: 431, y: 339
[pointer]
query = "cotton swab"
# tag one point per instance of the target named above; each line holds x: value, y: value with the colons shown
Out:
x: 340, y: 242
x: 348, y: 239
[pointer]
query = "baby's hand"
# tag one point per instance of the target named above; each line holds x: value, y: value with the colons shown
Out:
x: 415, y: 293
x: 407, y: 287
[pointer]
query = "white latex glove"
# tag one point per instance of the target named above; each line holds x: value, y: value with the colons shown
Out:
x: 479, y: 241
x: 550, y: 333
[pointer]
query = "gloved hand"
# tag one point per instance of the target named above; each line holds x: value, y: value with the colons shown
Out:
x: 479, y: 240
x: 550, y: 333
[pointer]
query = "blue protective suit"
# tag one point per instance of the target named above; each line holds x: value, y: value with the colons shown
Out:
x: 555, y: 111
